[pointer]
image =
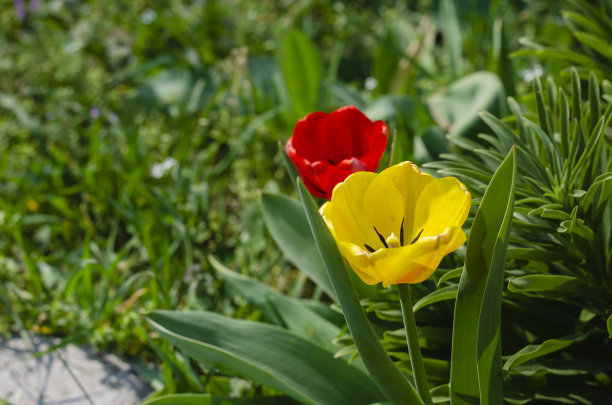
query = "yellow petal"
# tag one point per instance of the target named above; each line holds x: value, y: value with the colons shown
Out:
x: 359, y: 260
x: 410, y: 182
x: 383, y: 207
x: 345, y: 210
x: 355, y: 255
x: 443, y: 203
x: 415, y: 263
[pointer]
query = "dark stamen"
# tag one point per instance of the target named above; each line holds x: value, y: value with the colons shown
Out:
x: 330, y: 161
x: 384, y: 242
x: 402, y: 233
x: 370, y: 248
x: 417, y: 237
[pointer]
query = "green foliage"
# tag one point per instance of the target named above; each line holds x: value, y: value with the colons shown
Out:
x: 302, y: 72
x: 590, y: 23
x: 560, y: 240
x: 475, y: 363
x: 266, y: 354
x: 286, y: 222
x: 134, y: 140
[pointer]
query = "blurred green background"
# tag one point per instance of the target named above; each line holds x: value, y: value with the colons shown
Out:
x: 136, y: 137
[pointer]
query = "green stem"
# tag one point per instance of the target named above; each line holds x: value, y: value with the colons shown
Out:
x: 418, y: 369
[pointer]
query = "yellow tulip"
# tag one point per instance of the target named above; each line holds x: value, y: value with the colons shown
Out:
x: 396, y: 226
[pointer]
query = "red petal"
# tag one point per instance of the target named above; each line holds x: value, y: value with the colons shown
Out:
x: 327, y: 148
x: 359, y: 126
x: 378, y: 137
x: 306, y: 139
x: 338, y: 135
x: 342, y: 171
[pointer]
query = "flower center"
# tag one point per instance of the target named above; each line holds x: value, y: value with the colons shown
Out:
x: 392, y: 241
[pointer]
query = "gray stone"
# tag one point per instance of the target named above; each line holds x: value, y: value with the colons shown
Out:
x: 68, y: 376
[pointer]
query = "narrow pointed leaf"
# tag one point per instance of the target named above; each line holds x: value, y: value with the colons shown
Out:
x: 386, y: 375
x: 489, y: 331
x: 479, y: 357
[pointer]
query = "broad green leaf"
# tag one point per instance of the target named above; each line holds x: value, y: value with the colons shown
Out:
x: 279, y: 308
x: 476, y: 358
x: 531, y: 352
x: 287, y: 223
x: 386, y: 375
x: 302, y: 71
x: 266, y: 354
x: 442, y: 294
x: 609, y: 324
x: 454, y: 115
x: 207, y: 399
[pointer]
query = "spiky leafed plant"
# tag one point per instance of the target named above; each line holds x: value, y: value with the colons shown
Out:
x: 559, y: 271
x: 590, y: 24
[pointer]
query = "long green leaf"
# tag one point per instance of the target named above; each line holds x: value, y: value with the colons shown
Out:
x: 286, y: 311
x: 302, y: 71
x: 266, y: 354
x: 386, y: 375
x: 287, y: 223
x: 489, y: 330
x: 476, y: 360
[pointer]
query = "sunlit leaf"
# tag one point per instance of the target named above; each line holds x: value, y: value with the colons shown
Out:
x: 266, y: 354
x: 476, y: 357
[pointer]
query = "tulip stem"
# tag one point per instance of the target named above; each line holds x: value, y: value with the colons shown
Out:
x: 414, y: 349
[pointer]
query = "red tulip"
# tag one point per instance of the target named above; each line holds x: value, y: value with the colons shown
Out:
x: 327, y: 148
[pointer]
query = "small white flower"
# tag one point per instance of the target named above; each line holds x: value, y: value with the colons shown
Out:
x: 370, y: 83
x: 530, y: 74
x: 159, y: 169
x: 148, y: 16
